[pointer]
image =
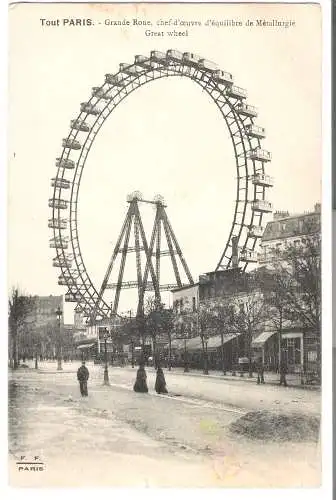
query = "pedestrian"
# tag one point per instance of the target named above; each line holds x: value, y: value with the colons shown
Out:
x: 283, y: 371
x: 140, y: 384
x: 260, y: 371
x: 83, y: 376
x: 160, y: 383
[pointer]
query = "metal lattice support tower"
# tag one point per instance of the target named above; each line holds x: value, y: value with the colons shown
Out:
x: 153, y: 249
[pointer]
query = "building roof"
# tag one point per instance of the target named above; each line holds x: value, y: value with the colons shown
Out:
x: 184, y: 287
x: 291, y: 226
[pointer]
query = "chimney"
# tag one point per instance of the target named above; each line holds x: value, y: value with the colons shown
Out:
x: 234, y: 261
x: 280, y: 214
x: 317, y: 208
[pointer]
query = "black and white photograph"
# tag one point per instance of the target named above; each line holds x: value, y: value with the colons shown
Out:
x: 165, y: 215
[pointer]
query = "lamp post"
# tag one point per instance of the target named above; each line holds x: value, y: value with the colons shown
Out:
x: 131, y: 332
x: 106, y: 375
x: 205, y: 339
x: 132, y: 348
x: 186, y: 364
x: 36, y: 360
x: 59, y: 346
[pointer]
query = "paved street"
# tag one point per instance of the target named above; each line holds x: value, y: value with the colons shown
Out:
x: 117, y: 437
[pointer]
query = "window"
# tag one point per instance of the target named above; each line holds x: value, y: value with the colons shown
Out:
x: 194, y: 304
x: 181, y: 305
x: 312, y: 356
x: 241, y: 308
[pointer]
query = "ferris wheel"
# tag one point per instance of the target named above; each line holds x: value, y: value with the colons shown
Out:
x: 250, y: 158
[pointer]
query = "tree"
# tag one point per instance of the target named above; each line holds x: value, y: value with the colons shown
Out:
x: 293, y: 287
x: 204, y: 321
x: 19, y: 307
x: 222, y: 321
x: 167, y: 324
x: 248, y: 317
x: 157, y: 320
x: 181, y: 324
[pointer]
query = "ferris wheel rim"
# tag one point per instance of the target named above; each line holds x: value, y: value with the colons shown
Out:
x: 174, y: 70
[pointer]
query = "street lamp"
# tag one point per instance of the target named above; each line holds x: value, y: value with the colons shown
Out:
x: 132, y: 347
x: 36, y: 354
x: 186, y: 364
x: 131, y: 332
x: 59, y: 347
x: 205, y: 339
x: 106, y: 375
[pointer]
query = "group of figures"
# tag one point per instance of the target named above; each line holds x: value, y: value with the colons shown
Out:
x: 140, y: 384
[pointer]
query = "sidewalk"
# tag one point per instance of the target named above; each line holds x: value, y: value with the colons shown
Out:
x: 271, y: 378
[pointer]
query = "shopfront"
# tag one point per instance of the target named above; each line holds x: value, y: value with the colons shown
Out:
x: 292, y: 349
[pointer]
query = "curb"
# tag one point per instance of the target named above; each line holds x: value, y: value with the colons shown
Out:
x: 237, y: 378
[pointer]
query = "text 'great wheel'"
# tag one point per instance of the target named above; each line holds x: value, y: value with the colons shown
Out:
x: 252, y: 182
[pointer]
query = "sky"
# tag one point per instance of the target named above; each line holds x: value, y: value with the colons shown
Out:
x: 167, y: 137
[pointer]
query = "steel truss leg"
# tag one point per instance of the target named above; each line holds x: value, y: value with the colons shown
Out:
x: 178, y: 249
x: 149, y: 263
x: 110, y: 266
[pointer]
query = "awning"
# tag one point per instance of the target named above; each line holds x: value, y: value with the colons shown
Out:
x: 195, y: 343
x: 214, y: 342
x: 262, y: 339
x: 85, y: 346
x: 177, y: 344
x: 292, y: 335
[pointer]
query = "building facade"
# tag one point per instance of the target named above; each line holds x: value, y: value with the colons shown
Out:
x: 238, y: 294
x: 286, y: 229
x: 300, y: 345
x: 42, y: 329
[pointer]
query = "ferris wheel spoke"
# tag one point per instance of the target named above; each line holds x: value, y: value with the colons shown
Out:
x: 252, y: 183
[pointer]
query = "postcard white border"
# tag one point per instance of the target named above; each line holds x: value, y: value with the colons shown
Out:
x: 325, y: 491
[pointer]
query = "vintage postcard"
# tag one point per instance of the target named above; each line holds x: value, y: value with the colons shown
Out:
x: 164, y: 254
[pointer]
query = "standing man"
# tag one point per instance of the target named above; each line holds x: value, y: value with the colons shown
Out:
x: 83, y: 376
x: 260, y: 371
x: 283, y: 371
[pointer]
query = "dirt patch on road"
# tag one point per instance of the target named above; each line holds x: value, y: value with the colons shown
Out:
x: 268, y: 426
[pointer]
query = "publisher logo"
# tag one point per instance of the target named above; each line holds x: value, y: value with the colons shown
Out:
x: 30, y: 464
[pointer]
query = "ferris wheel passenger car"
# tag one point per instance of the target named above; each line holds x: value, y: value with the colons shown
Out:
x: 224, y: 77
x: 175, y: 55
x: 237, y: 92
x: 158, y: 56
x: 72, y: 297
x: 139, y: 59
x: 128, y: 69
x: 60, y: 183
x: 208, y: 65
x: 192, y: 59
x: 80, y: 125
x: 71, y: 144
x: 65, y: 163
x: 114, y: 80
x: 85, y: 107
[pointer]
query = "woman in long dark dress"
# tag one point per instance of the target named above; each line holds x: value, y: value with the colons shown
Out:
x: 160, y: 383
x: 140, y: 384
